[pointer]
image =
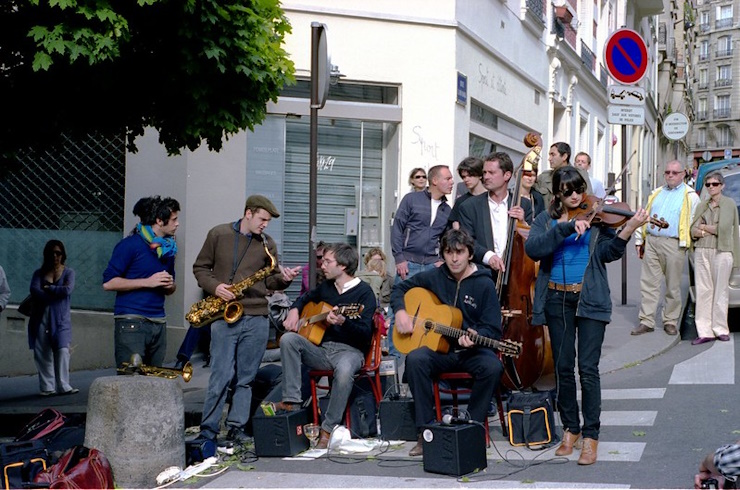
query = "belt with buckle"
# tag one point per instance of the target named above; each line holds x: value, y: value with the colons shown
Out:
x: 568, y: 288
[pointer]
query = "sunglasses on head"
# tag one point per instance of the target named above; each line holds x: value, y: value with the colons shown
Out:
x: 569, y: 192
x: 712, y: 184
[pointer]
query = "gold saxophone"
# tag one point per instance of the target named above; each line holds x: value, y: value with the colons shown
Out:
x: 210, y: 309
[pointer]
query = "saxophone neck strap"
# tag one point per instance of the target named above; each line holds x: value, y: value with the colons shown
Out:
x: 237, y: 258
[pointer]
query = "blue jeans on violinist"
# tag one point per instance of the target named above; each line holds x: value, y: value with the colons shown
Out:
x: 565, y: 330
x: 414, y: 268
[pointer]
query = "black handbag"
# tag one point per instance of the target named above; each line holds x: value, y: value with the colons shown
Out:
x: 27, y: 306
x: 531, y: 420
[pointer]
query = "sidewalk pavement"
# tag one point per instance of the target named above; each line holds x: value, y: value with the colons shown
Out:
x: 20, y: 399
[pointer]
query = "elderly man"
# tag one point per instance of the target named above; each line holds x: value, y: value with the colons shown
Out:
x: 663, y: 250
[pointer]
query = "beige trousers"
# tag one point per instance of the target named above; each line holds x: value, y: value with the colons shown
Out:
x: 663, y: 259
x: 712, y: 271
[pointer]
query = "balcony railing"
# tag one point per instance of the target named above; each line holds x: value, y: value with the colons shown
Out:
x: 587, y: 57
x: 723, y: 82
x: 703, y: 56
x: 702, y: 85
x: 722, y: 113
x: 705, y: 27
x: 722, y: 23
x: 701, y: 143
x: 603, y: 75
x: 726, y: 142
x: 721, y: 53
x: 701, y: 115
x: 537, y: 8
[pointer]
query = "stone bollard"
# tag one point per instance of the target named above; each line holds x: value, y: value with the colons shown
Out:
x: 139, y: 424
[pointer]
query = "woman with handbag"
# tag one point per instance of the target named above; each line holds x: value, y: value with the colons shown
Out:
x: 572, y: 298
x: 50, y: 325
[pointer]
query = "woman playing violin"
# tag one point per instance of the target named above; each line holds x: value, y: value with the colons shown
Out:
x: 572, y: 297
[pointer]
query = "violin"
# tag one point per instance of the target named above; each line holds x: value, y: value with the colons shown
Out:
x: 615, y: 215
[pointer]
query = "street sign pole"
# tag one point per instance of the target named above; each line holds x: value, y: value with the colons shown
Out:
x: 320, y: 71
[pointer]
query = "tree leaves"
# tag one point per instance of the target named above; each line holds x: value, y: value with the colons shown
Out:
x: 196, y: 70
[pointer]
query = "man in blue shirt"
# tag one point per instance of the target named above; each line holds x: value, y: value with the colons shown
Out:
x: 142, y: 272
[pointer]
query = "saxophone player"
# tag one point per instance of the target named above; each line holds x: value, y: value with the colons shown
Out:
x: 233, y: 252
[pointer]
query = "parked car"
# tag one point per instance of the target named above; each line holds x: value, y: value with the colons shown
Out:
x: 730, y: 170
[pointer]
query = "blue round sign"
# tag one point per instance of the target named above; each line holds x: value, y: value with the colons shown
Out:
x: 626, y: 56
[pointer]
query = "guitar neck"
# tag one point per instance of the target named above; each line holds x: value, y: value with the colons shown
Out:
x: 458, y: 332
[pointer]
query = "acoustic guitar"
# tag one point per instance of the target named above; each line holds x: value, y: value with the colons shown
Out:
x: 312, y: 324
x: 435, y: 321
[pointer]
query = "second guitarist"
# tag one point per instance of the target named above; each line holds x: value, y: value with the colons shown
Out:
x: 461, y: 284
x: 344, y: 344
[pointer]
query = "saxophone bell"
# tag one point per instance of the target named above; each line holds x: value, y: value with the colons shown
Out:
x: 233, y: 312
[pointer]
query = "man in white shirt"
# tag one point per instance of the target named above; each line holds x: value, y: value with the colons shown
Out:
x: 583, y: 161
x: 486, y: 216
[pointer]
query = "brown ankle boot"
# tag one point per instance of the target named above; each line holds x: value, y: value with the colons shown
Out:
x: 589, y: 451
x: 569, y: 441
x: 417, y: 450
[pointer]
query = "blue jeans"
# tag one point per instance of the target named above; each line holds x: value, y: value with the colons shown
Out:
x: 343, y: 359
x: 565, y: 330
x: 414, y: 268
x: 236, y: 348
x: 140, y: 336
x: 193, y: 338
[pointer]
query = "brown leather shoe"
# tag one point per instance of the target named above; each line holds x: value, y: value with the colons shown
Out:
x: 323, y: 440
x: 570, y: 440
x: 417, y: 450
x: 642, y: 329
x: 287, y: 406
x: 589, y: 451
x: 670, y: 329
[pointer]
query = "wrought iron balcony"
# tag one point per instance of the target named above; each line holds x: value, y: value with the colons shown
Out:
x: 701, y: 115
x: 537, y: 8
x: 721, y: 53
x: 722, y: 23
x: 722, y: 113
x: 587, y: 57
x: 723, y: 82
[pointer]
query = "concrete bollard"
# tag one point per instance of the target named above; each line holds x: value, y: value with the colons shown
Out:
x: 139, y: 424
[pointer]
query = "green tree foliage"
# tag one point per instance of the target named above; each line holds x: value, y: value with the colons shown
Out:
x: 193, y: 69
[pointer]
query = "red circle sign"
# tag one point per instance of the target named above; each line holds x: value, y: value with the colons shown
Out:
x: 626, y: 56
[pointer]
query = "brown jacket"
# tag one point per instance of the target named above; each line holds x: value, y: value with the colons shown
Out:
x: 216, y: 259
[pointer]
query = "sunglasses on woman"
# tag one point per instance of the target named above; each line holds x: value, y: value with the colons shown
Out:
x: 569, y: 192
x: 420, y: 176
x: 712, y: 184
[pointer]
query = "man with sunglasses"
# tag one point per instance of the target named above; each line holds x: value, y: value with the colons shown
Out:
x: 663, y: 250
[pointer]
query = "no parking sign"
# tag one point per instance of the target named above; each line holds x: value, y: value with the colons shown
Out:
x: 626, y: 56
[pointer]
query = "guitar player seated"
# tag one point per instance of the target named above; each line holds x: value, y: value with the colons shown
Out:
x: 460, y: 285
x: 334, y: 331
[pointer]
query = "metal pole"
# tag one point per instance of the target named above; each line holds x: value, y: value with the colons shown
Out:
x: 313, y: 154
x: 625, y: 180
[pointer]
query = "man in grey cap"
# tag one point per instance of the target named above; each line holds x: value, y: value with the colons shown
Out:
x: 232, y: 253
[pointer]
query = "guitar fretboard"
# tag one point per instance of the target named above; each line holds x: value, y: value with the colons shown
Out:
x: 456, y: 333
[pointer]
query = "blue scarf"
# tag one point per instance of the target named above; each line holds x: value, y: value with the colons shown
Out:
x: 163, y: 247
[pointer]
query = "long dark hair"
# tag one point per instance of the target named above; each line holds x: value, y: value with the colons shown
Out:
x: 565, y: 178
x: 48, y: 264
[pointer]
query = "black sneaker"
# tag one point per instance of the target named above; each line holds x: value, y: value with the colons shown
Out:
x: 237, y: 437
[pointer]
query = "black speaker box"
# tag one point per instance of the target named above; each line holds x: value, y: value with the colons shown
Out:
x: 397, y: 420
x: 454, y: 449
x: 280, y: 434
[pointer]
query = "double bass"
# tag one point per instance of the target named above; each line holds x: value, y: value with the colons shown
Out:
x: 515, y: 287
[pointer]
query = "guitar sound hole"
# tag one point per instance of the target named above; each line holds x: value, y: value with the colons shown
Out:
x: 428, y: 325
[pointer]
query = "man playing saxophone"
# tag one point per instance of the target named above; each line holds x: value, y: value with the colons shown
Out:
x: 232, y: 254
